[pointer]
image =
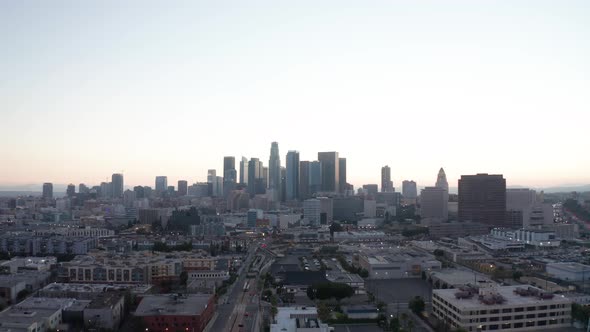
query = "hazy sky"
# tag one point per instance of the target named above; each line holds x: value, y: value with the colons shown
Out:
x: 88, y: 88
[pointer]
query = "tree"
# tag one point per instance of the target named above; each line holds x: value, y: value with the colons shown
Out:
x: 183, y: 278
x: 323, y: 311
x: 516, y: 275
x: 417, y: 305
x: 438, y: 252
x: 327, y: 290
x: 394, y: 325
x: 335, y: 227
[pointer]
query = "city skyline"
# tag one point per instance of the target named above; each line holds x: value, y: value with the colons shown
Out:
x: 473, y: 87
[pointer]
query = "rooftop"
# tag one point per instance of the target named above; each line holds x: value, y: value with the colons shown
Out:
x: 506, y: 292
x: 570, y: 266
x: 170, y: 304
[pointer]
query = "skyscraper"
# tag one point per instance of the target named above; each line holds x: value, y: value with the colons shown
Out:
x: 230, y: 175
x: 292, y: 179
x: 386, y: 183
x: 182, y: 188
x: 117, y: 185
x: 161, y: 184
x: 342, y: 174
x: 255, y: 177
x: 441, y: 180
x: 71, y: 191
x: 409, y: 189
x: 83, y: 189
x: 48, y: 190
x: 330, y: 171
x: 304, y: 192
x: 244, y: 171
x: 274, y: 170
x: 315, y: 177
x: 482, y: 198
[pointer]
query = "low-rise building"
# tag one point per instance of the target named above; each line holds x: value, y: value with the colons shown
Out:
x: 168, y: 312
x: 568, y: 271
x: 298, y: 319
x: 532, y: 237
x: 505, y: 308
x: 395, y: 264
x: 35, y: 314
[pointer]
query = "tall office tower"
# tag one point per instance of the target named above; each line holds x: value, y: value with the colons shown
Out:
x: 117, y: 185
x: 409, y: 189
x: 482, y: 198
x: 83, y: 189
x: 315, y: 177
x: 230, y: 175
x: 283, y: 192
x: 274, y: 170
x: 161, y: 184
x: 106, y: 189
x: 434, y: 204
x: 71, y: 191
x: 342, y: 175
x: 244, y: 171
x: 139, y: 192
x: 386, y: 183
x: 330, y: 171
x: 265, y: 176
x: 292, y: 180
x: 182, y: 188
x: 441, y: 180
x: 211, y: 174
x: 304, y: 180
x: 48, y: 190
x: 255, y: 177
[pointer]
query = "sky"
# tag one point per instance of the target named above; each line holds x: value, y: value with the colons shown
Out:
x: 90, y: 88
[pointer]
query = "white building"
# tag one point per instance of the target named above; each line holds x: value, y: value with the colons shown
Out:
x: 370, y: 208
x: 533, y: 237
x: 298, y: 319
x: 434, y: 203
x: 505, y: 308
x: 312, y: 211
x: 568, y: 271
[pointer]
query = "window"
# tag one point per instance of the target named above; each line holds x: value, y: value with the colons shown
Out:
x: 505, y: 318
x: 529, y: 324
x: 506, y: 310
x: 518, y: 309
x: 541, y: 315
x: 494, y: 319
x: 542, y: 323
x: 519, y: 317
x: 530, y: 316
x: 530, y: 308
x: 495, y: 311
x: 518, y: 325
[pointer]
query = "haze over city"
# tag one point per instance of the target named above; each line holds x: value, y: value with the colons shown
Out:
x: 93, y: 88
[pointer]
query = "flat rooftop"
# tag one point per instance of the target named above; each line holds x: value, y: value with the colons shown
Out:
x: 96, y: 288
x: 570, y: 267
x: 507, y: 292
x: 459, y: 277
x: 169, y: 304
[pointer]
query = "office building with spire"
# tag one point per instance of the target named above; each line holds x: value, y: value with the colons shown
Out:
x: 441, y: 180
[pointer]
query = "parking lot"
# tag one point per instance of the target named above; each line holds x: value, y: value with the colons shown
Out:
x: 399, y: 290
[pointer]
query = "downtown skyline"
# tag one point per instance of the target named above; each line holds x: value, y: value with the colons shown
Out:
x: 97, y: 89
